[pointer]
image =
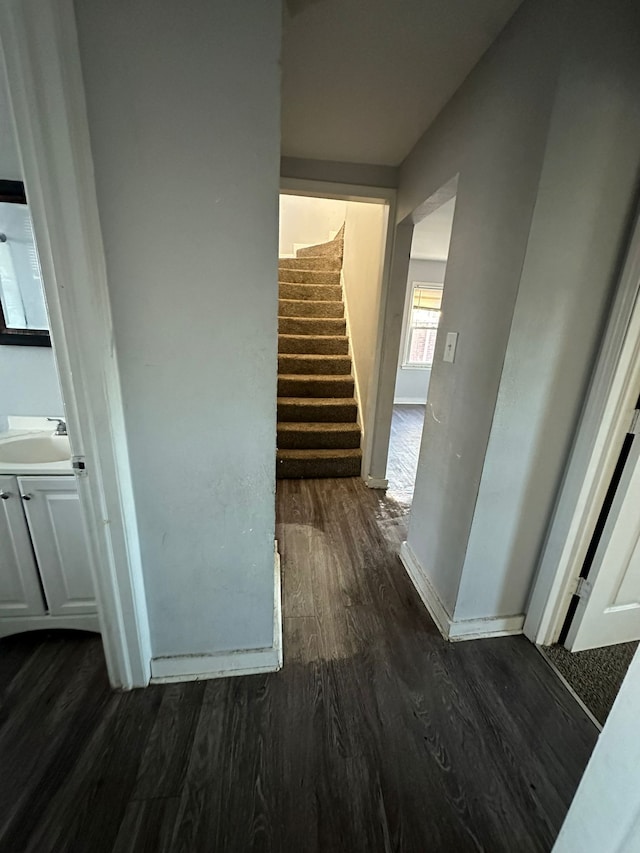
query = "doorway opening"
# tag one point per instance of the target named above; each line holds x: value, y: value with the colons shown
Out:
x: 421, y: 317
x: 60, y: 191
x: 332, y: 249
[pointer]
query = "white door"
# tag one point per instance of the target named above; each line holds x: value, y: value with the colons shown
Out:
x: 52, y: 508
x: 20, y: 590
x: 609, y: 609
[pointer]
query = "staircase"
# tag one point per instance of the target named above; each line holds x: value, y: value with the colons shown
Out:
x: 318, y: 433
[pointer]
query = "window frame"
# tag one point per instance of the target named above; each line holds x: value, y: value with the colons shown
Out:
x: 406, y: 363
x: 13, y: 192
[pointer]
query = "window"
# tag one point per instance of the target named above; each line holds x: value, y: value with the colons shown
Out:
x: 422, y: 324
x: 23, y: 313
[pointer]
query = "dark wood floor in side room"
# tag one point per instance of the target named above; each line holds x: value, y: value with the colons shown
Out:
x: 376, y: 736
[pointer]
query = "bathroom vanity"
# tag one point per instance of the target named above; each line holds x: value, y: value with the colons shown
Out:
x: 45, y: 572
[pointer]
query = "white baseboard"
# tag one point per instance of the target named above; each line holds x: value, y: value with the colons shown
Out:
x: 376, y: 483
x: 427, y: 593
x: 452, y: 630
x: 493, y: 626
x: 410, y: 401
x: 224, y: 664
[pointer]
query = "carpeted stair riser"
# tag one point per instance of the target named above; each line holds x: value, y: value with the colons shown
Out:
x: 309, y: 308
x: 315, y: 386
x: 314, y: 344
x: 334, y: 248
x: 316, y: 410
x: 302, y: 436
x: 292, y: 464
x: 318, y: 326
x: 317, y: 292
x: 298, y: 276
x: 318, y: 364
x: 323, y: 262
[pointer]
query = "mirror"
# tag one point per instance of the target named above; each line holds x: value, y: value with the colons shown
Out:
x: 23, y: 312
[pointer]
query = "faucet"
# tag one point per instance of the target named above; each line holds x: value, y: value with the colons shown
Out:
x: 61, y: 429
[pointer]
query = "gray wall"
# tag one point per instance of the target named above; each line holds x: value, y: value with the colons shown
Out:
x: 585, y: 201
x: 412, y: 384
x: 28, y: 378
x: 545, y: 135
x: 187, y: 175
x: 493, y: 134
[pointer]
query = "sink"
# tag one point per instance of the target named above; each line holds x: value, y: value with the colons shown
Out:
x: 32, y: 449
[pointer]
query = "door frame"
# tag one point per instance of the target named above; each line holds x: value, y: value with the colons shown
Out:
x: 606, y: 417
x: 374, y: 195
x: 40, y: 52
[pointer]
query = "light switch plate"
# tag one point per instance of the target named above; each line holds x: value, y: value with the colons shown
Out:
x: 450, y: 347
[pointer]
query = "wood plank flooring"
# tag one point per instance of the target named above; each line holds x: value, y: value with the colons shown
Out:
x: 404, y: 449
x: 376, y: 736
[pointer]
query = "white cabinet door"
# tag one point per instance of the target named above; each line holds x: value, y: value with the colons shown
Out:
x: 20, y: 590
x: 611, y: 612
x: 59, y: 539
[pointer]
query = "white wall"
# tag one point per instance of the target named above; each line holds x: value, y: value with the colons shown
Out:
x: 308, y: 221
x: 492, y: 134
x: 28, y: 378
x: 605, y: 812
x: 412, y: 383
x: 364, y: 243
x: 185, y: 139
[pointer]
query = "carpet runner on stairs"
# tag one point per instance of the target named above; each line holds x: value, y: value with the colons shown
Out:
x: 318, y: 433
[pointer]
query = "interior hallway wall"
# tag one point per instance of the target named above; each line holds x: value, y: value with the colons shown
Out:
x: 308, y: 220
x: 586, y: 200
x: 364, y: 245
x: 493, y: 134
x: 185, y: 142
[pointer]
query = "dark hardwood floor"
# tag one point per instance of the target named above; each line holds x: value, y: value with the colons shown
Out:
x: 404, y: 449
x: 376, y: 736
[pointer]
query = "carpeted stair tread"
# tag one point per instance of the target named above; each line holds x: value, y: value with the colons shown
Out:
x: 310, y: 308
x: 315, y: 385
x: 317, y: 409
x: 311, y: 262
x: 314, y: 363
x: 318, y: 435
x: 318, y: 292
x: 318, y: 463
x: 314, y: 344
x: 317, y: 326
x: 299, y: 276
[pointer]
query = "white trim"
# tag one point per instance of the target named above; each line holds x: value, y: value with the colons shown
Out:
x: 172, y: 668
x: 376, y: 483
x: 20, y: 624
x: 376, y: 195
x: 410, y: 401
x: 425, y: 589
x: 610, y: 403
x: 454, y: 631
x: 41, y: 55
x: 480, y: 629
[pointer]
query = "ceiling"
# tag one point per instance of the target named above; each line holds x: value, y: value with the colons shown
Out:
x: 432, y: 235
x: 363, y: 79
